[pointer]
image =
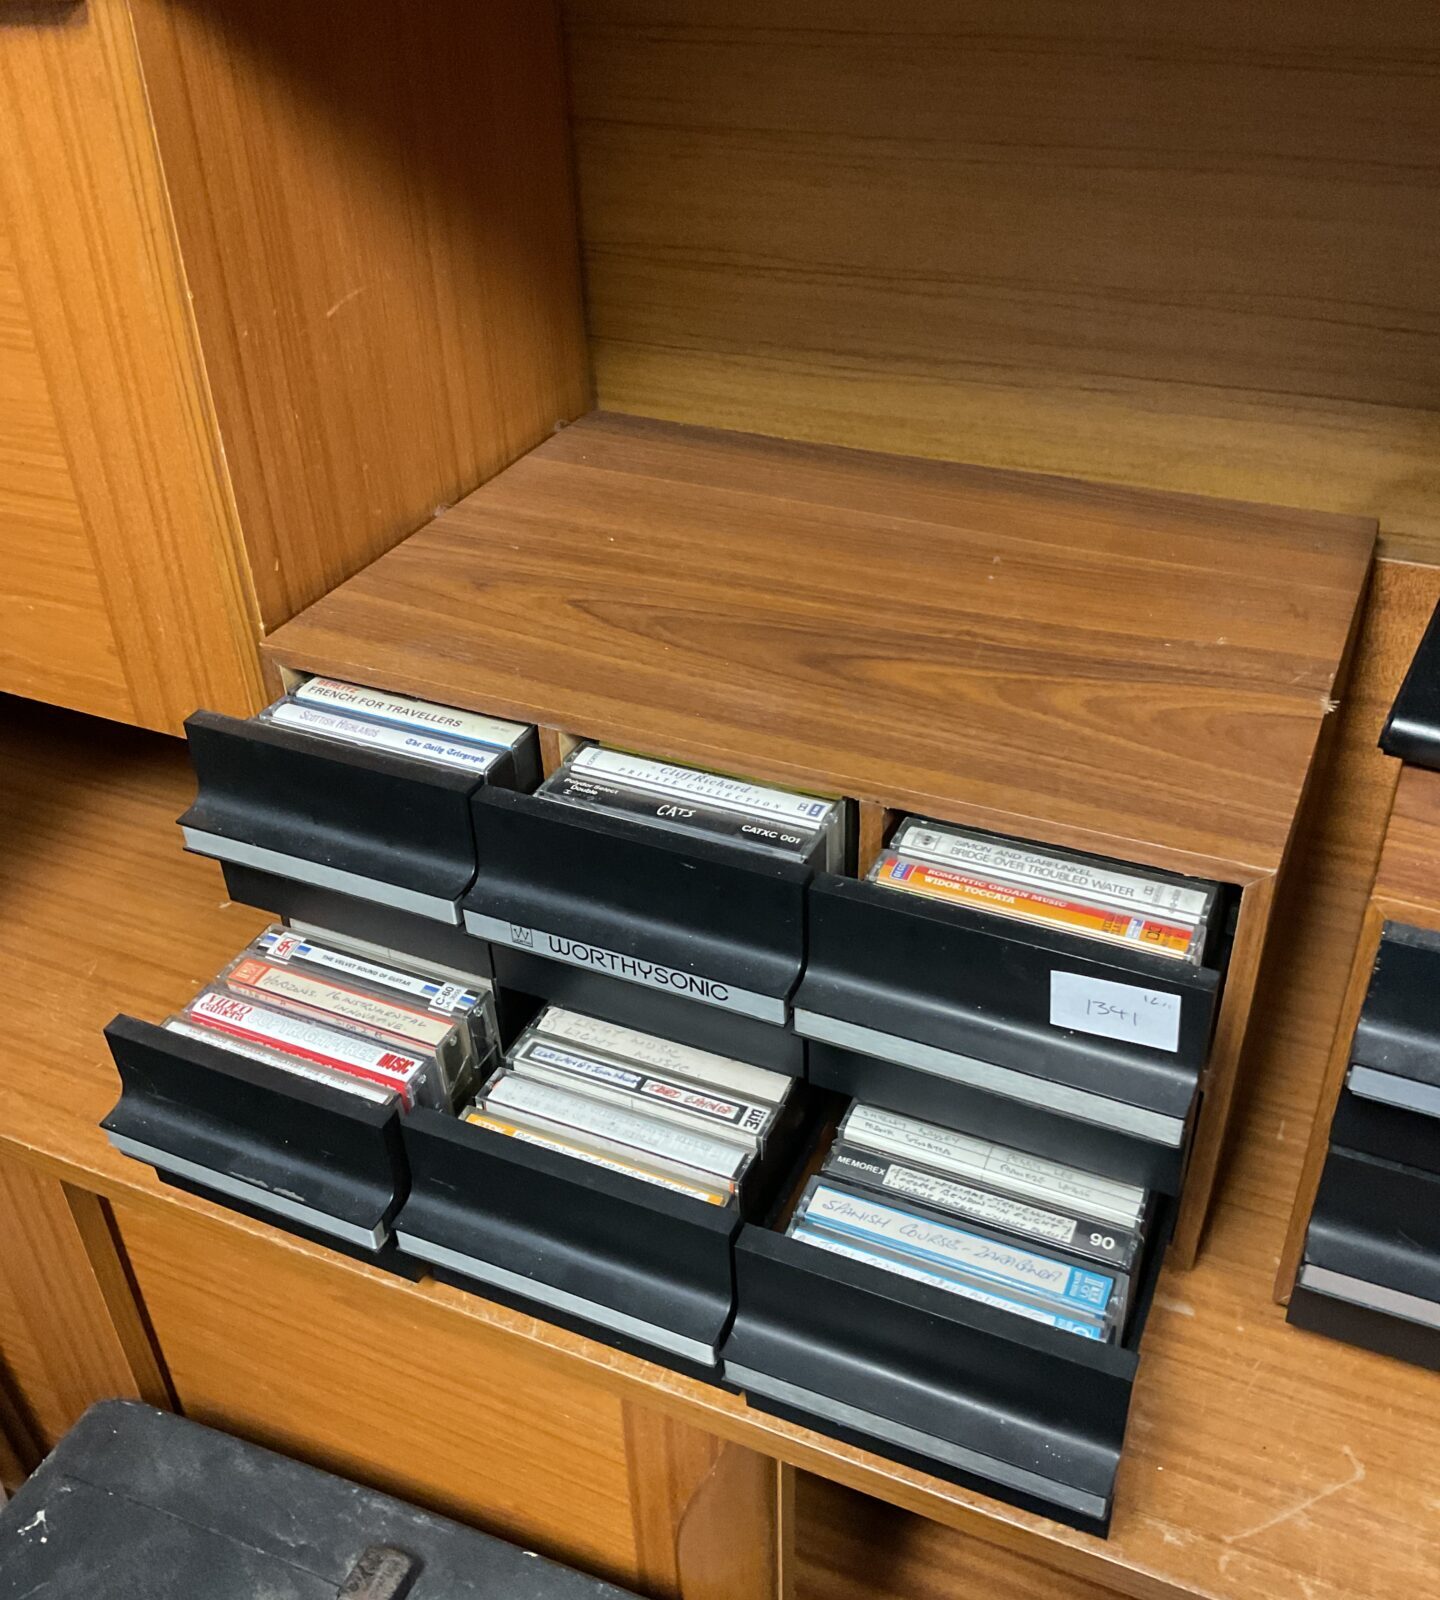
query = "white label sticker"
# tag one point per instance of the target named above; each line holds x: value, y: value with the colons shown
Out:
x: 1115, y: 1010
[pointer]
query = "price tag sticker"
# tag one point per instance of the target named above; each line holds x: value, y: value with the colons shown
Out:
x: 1115, y: 1010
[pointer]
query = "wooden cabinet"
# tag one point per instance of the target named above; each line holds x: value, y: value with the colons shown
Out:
x: 276, y: 282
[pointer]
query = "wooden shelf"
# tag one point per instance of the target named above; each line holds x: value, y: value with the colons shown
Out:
x: 1257, y: 1456
x: 1141, y: 674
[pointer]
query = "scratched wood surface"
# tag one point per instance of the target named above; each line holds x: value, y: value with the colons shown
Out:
x: 1262, y: 1463
x: 1140, y: 673
x: 1189, y: 245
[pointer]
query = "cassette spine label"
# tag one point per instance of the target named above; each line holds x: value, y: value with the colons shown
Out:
x: 986, y: 855
x: 1113, y: 925
x: 642, y: 1087
x: 852, y: 1216
x: 277, y: 983
x: 401, y: 711
x: 962, y: 1155
x: 595, y: 1158
x: 728, y: 793
x: 633, y: 1129
x: 377, y: 736
x: 280, y: 944
x: 587, y: 789
x: 310, y: 1041
x: 663, y: 1055
x: 967, y: 1291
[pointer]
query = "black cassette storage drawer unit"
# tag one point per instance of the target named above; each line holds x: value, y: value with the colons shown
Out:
x: 279, y: 806
x: 303, y: 1155
x: 696, y: 939
x: 624, y: 1260
x: 1082, y: 1051
x: 1370, y: 1274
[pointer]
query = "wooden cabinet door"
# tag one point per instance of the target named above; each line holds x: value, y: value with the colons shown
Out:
x: 121, y: 580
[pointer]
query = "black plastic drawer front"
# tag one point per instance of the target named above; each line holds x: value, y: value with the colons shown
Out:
x: 633, y: 1258
x: 1399, y: 1027
x: 360, y: 822
x: 298, y: 1151
x: 420, y: 938
x: 696, y: 919
x: 650, y: 1010
x: 960, y: 995
x: 1384, y: 1130
x: 935, y: 1097
x: 1350, y: 1323
x: 955, y: 1387
x: 1377, y: 1224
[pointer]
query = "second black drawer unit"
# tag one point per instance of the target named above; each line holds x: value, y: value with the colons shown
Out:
x: 968, y: 1391
x: 1082, y: 1051
x: 627, y: 1261
x: 279, y: 806
x: 695, y: 939
x: 1370, y: 1274
x: 303, y: 1155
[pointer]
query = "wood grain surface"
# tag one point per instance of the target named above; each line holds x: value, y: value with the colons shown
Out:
x: 1187, y: 246
x: 375, y: 208
x: 1141, y: 674
x: 70, y: 1330
x: 56, y: 643
x: 90, y: 226
x: 1261, y: 1464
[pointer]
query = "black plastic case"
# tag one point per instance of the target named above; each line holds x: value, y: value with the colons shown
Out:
x: 944, y: 1013
x: 1371, y: 1271
x: 1033, y: 1415
x: 364, y: 823
x: 420, y: 938
x: 1387, y: 1132
x: 1412, y: 730
x: 307, y: 1157
x: 623, y: 1260
x: 1399, y: 1026
x: 698, y: 940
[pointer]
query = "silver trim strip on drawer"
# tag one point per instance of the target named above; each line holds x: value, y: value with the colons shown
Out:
x: 1374, y: 1296
x: 1080, y: 1103
x: 575, y: 1305
x: 433, y: 906
x: 628, y: 969
x: 251, y: 1193
x: 955, y: 1455
x: 1390, y: 1089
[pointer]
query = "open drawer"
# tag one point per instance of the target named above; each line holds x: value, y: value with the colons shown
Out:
x: 306, y: 1156
x: 1030, y: 1413
x: 1082, y: 1051
x: 694, y: 939
x: 1371, y: 1269
x: 624, y: 1260
x: 363, y: 823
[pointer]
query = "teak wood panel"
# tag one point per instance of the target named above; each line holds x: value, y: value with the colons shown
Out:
x: 1187, y: 246
x: 56, y: 641
x: 267, y: 1344
x: 1138, y: 673
x: 264, y: 1343
x: 375, y: 206
x: 1260, y: 1461
x: 90, y: 225
x: 71, y: 1331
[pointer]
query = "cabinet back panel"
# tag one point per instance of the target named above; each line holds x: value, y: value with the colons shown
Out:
x: 1189, y: 247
